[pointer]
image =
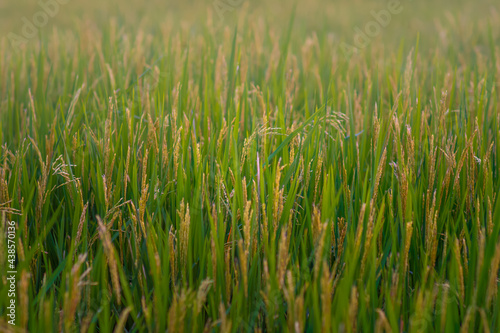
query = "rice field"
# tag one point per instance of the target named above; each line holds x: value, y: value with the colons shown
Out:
x: 238, y: 166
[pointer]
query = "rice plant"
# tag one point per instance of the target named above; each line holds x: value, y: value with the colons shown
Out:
x: 248, y: 174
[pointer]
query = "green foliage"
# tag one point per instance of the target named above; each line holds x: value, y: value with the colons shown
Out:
x: 220, y: 179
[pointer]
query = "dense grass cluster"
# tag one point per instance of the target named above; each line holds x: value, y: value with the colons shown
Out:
x: 253, y: 178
